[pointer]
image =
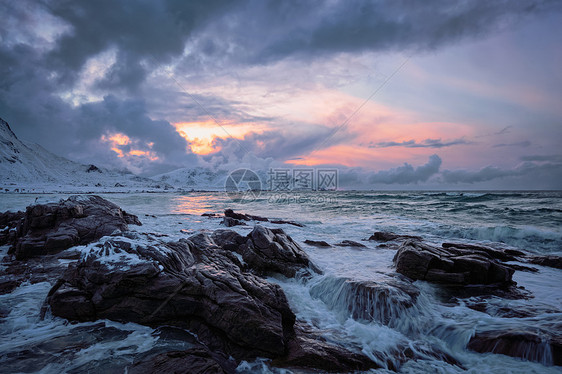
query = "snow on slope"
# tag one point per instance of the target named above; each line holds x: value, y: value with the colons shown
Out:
x: 28, y: 167
x: 196, y: 178
x: 202, y: 179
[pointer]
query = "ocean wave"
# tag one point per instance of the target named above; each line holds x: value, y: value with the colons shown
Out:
x: 528, y: 238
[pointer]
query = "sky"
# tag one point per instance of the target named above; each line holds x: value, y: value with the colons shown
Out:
x: 395, y: 94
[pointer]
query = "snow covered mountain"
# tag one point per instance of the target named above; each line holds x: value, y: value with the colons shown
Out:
x: 196, y: 178
x: 28, y: 167
x: 202, y: 179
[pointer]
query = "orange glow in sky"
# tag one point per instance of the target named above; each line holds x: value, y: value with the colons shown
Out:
x: 118, y: 140
x: 137, y: 152
x: 202, y: 135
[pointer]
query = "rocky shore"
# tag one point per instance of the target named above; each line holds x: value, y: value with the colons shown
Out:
x: 215, y: 286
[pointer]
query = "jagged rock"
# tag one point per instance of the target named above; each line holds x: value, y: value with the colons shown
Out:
x: 229, y: 222
x: 51, y: 228
x: 481, y: 250
x: 229, y: 213
x: 282, y: 222
x: 384, y: 236
x: 243, y: 217
x: 228, y: 239
x: 539, y: 346
x: 317, y: 243
x: 192, y: 284
x: 191, y: 361
x: 350, y: 243
x: 273, y: 251
x: 550, y: 261
x: 196, y: 285
x: 449, y: 265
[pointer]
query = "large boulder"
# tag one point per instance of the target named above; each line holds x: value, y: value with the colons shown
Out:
x: 272, y: 251
x: 196, y: 285
x: 192, y: 284
x: 450, y: 265
x: 51, y: 228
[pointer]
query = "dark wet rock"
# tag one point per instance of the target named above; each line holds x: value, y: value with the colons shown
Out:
x: 228, y: 239
x: 9, y: 223
x: 272, y: 251
x: 350, y: 243
x: 388, y: 302
x: 317, y: 243
x: 308, y: 350
x: 450, y: 265
x: 243, y: 217
x: 229, y: 222
x: 51, y: 228
x: 282, y: 222
x: 518, y: 267
x: 538, y: 346
x: 63, y: 348
x: 229, y: 213
x: 514, y: 252
x: 47, y: 268
x: 210, y: 215
x: 481, y: 250
x: 192, y: 284
x: 197, y: 285
x: 385, y: 236
x: 550, y: 261
x: 192, y: 361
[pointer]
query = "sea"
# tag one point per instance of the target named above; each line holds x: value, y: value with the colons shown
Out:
x: 530, y: 221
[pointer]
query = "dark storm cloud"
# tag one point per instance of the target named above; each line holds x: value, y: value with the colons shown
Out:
x: 407, y: 174
x: 427, y: 143
x: 28, y: 103
x: 38, y: 66
x: 312, y: 28
x: 547, y: 174
x: 145, y: 33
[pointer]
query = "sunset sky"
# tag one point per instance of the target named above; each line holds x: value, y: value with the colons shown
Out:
x: 463, y: 95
